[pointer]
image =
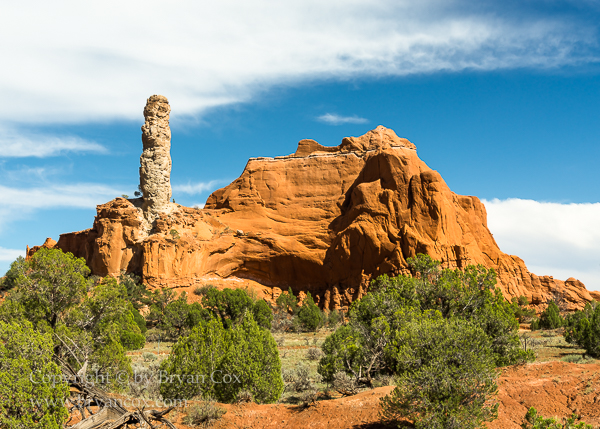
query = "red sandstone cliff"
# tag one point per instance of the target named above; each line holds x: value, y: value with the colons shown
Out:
x: 324, y: 220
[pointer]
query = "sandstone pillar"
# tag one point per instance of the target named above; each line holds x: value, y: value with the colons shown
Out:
x: 155, y: 162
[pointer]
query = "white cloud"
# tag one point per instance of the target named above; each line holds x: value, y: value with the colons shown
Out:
x: 562, y: 240
x: 16, y: 144
x: 91, y: 61
x: 17, y: 203
x: 9, y: 255
x: 81, y: 195
x: 333, y: 119
x: 197, y: 188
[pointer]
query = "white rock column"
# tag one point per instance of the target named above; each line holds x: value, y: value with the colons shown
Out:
x: 155, y: 162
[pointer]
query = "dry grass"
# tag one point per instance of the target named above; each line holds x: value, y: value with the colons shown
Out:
x: 553, y: 347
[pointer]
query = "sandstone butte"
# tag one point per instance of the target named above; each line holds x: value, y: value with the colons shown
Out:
x: 324, y: 219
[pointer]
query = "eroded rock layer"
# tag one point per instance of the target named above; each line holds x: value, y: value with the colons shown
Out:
x: 324, y: 220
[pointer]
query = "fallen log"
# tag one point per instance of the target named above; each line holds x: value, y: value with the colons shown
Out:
x: 111, y: 414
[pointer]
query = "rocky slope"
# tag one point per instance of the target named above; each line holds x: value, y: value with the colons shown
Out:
x: 324, y: 220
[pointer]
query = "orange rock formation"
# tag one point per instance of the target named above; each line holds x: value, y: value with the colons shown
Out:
x: 324, y: 220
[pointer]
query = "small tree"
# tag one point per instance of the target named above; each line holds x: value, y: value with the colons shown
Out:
x: 177, y: 316
x: 49, y: 284
x: 263, y: 315
x: 333, y: 318
x: 230, y: 305
x: 32, y: 390
x: 252, y: 363
x: 137, y: 292
x: 583, y: 329
x: 309, y: 314
x: 287, y: 301
x: 342, y: 353
x: 520, y: 306
x: 550, y: 318
x: 158, y: 303
x: 217, y: 362
x: 194, y: 358
x: 446, y: 374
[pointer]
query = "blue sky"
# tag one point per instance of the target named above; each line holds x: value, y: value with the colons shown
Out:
x: 502, y: 98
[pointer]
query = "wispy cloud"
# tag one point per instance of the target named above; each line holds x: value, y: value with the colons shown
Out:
x: 9, y: 255
x: 17, y: 203
x: 333, y: 119
x: 197, y: 188
x: 226, y: 52
x: 79, y: 195
x: 16, y: 143
x: 562, y: 240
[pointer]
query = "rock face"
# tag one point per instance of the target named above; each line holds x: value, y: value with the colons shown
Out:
x: 324, y: 220
x: 155, y: 162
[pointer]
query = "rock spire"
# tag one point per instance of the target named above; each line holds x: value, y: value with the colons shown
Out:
x: 155, y: 162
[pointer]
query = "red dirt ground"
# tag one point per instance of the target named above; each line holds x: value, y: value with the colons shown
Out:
x: 555, y: 389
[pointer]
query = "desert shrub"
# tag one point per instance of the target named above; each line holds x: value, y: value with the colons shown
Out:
x: 179, y: 317
x: 149, y: 357
x: 48, y: 285
x: 107, y: 305
x: 218, y: 362
x: 230, y: 305
x: 344, y: 384
x: 197, y: 355
x: 470, y: 295
x: 9, y: 280
x: 32, y: 390
x: 578, y: 359
x: 341, y: 353
x: 281, y: 322
x: 91, y: 321
x: 528, y: 342
x: 549, y: 319
x: 244, y: 396
x: 253, y: 357
x: 263, y: 315
x: 295, y: 325
x: 533, y: 420
x: 302, y: 379
x: 310, y: 315
x: 314, y: 353
x: 137, y: 292
x: 145, y: 381
x: 158, y: 302
x: 361, y: 348
x: 288, y: 375
x: 287, y: 301
x: 204, y: 414
x: 583, y: 329
x: 202, y: 290
x: 308, y: 397
x: 383, y: 380
x: 333, y: 318
x: 441, y: 333
x: 139, y: 320
x: 445, y: 374
x: 521, y: 310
